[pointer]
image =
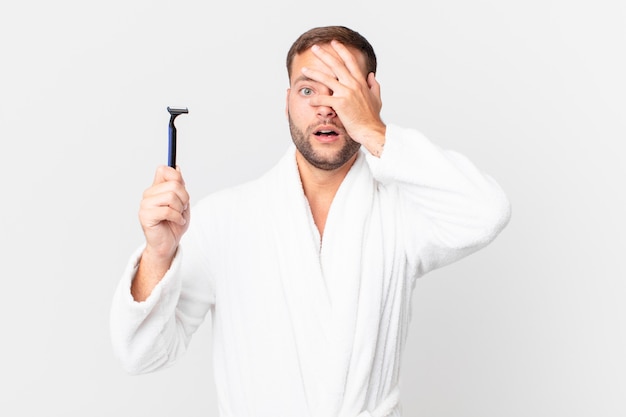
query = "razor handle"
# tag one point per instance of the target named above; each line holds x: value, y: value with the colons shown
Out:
x: 171, y: 154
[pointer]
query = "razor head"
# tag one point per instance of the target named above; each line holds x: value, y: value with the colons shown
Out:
x: 175, y: 111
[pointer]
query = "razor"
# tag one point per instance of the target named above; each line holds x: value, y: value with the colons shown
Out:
x: 174, y: 112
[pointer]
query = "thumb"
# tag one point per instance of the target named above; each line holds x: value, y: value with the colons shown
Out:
x: 372, y: 83
x: 374, y: 87
x: 181, y: 174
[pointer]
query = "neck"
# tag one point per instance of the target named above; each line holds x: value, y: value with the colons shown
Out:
x: 316, y: 181
x: 320, y: 187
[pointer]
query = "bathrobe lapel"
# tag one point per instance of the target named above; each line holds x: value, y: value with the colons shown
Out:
x: 351, y: 256
x: 333, y: 291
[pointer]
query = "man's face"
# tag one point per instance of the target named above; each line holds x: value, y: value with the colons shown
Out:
x: 316, y: 131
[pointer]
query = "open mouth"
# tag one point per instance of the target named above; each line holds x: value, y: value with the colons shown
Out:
x: 326, y: 133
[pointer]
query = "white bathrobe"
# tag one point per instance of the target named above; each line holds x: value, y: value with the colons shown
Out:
x: 302, y: 326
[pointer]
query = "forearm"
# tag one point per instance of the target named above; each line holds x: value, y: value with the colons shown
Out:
x: 374, y: 140
x: 152, y: 333
x: 420, y: 167
x: 143, y: 333
x: 448, y: 207
x: 151, y: 270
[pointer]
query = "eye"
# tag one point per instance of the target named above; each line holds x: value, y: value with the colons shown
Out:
x: 306, y: 91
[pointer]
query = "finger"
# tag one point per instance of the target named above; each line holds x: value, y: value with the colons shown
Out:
x: 187, y: 214
x: 153, y: 216
x: 374, y: 87
x: 165, y: 187
x: 181, y: 174
x: 168, y: 187
x: 167, y: 199
x: 166, y: 173
x: 326, y: 101
x: 348, y: 58
x: 333, y: 62
x: 372, y: 83
x: 323, y: 78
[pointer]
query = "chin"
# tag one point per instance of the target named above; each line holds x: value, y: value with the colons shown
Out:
x: 330, y: 160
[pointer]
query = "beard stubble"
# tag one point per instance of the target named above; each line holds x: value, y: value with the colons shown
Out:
x: 304, y: 146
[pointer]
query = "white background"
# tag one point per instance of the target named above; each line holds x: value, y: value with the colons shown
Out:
x: 532, y: 91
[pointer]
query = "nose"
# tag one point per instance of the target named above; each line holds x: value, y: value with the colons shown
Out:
x: 326, y: 112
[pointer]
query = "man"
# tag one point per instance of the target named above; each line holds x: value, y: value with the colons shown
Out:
x: 307, y: 272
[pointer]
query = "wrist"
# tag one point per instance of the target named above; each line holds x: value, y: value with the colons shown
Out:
x: 157, y: 258
x: 151, y: 269
x: 374, y: 141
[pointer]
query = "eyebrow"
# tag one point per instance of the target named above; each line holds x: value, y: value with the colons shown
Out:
x: 304, y: 78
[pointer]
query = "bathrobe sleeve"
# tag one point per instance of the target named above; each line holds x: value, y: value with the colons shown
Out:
x: 446, y: 208
x: 152, y: 334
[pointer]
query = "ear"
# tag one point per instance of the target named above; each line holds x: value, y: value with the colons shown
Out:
x: 287, y: 103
